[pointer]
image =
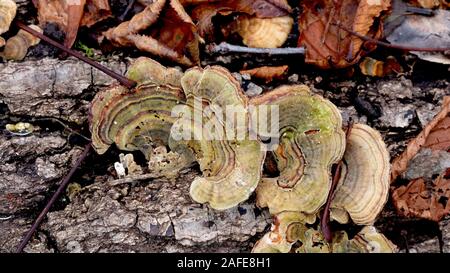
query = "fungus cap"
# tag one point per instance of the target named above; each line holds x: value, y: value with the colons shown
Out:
x: 363, y: 188
x: 311, y: 141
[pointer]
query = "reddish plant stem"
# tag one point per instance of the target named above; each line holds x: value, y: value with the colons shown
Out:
x: 123, y: 80
x: 388, y: 45
x: 325, y: 220
x: 55, y: 197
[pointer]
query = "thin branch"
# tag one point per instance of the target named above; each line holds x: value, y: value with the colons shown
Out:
x: 123, y: 80
x: 55, y: 197
x: 388, y: 45
x: 229, y: 48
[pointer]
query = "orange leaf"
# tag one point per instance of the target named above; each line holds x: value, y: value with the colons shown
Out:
x: 420, y: 197
x: 164, y: 29
x: 267, y: 73
x: 75, y: 10
x: 327, y: 44
x: 436, y: 132
x: 418, y: 200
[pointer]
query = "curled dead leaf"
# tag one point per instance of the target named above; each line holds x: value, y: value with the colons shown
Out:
x: 267, y: 73
x: 264, y: 32
x: 70, y: 15
x: 170, y: 32
x: 432, y: 135
x: 424, y: 196
x: 329, y: 45
x: 425, y: 200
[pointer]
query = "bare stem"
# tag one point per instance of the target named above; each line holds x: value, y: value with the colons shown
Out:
x: 123, y: 80
x: 229, y: 48
x: 55, y: 197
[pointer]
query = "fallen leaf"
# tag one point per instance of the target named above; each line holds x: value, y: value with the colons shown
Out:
x: 419, y: 200
x: 435, y: 133
x: 424, y: 196
x: 69, y: 15
x: 95, y: 11
x: 263, y: 32
x: 204, y: 13
x: 267, y: 73
x: 164, y: 29
x: 376, y: 68
x: 327, y: 43
x: 421, y: 31
x: 75, y: 11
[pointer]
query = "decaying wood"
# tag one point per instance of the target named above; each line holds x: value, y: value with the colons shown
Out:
x: 52, y: 88
x: 121, y: 218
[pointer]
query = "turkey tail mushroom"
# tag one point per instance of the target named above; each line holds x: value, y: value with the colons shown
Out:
x: 311, y: 141
x: 138, y: 119
x: 363, y: 188
x: 232, y: 167
x: 16, y: 47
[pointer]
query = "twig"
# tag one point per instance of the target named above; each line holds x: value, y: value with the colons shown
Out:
x: 123, y: 80
x: 65, y: 127
x: 325, y: 220
x: 133, y: 178
x: 229, y: 48
x: 388, y: 45
x: 55, y: 196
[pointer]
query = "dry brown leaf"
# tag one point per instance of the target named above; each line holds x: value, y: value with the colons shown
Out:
x: 435, y: 133
x: 169, y: 32
x: 267, y: 73
x: 204, y: 13
x: 422, y: 197
x: 74, y: 14
x: 327, y: 44
x: 69, y: 15
x: 95, y: 11
x: 419, y: 200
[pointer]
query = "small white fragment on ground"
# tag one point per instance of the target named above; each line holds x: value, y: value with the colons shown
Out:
x: 120, y: 169
x: 253, y: 90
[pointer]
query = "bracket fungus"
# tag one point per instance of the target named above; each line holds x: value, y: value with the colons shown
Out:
x: 231, y: 164
x: 141, y: 119
x: 363, y: 188
x: 138, y: 119
x: 284, y: 232
x: 8, y: 9
x: 368, y: 240
x: 16, y: 47
x: 311, y: 141
x: 291, y: 228
x: 264, y: 32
